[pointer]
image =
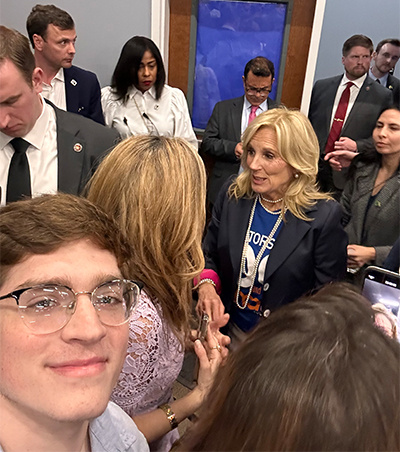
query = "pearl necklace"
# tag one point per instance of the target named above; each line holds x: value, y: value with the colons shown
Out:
x: 270, y: 200
x: 272, y: 212
x: 259, y: 255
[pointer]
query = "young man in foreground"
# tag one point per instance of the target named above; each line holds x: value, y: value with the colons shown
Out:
x: 64, y: 308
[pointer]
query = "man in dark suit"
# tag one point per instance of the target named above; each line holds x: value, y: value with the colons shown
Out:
x: 366, y: 100
x: 385, y: 58
x: 52, y: 34
x: 60, y: 149
x: 222, y: 136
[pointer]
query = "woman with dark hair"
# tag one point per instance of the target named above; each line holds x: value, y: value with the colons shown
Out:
x: 138, y: 102
x: 317, y: 375
x: 273, y: 236
x: 371, y: 198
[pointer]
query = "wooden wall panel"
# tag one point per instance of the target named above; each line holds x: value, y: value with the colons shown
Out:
x: 179, y: 43
x: 297, y: 54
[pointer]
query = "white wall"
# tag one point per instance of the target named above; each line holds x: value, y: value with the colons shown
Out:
x: 377, y: 19
x: 102, y: 27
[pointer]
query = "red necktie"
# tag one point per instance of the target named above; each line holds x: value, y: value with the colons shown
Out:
x: 252, y: 114
x: 338, y: 119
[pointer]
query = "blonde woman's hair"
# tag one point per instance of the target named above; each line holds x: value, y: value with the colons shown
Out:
x: 155, y: 189
x: 298, y: 146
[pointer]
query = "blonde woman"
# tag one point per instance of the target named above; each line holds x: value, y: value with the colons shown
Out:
x: 273, y: 236
x: 155, y: 188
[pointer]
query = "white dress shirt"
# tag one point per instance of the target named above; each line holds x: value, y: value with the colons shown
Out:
x: 143, y: 114
x: 354, y: 90
x: 246, y: 112
x: 41, y: 155
x: 383, y: 79
x: 55, y: 92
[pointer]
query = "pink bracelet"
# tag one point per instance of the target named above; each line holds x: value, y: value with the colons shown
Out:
x: 208, y: 275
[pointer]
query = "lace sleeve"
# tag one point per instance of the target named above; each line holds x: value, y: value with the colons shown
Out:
x: 153, y: 362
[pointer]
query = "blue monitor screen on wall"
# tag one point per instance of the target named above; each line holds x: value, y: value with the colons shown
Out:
x: 229, y: 34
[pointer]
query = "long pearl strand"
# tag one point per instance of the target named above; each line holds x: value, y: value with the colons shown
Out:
x: 259, y: 255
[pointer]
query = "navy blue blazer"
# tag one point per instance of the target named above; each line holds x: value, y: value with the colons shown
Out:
x: 83, y: 94
x: 305, y: 256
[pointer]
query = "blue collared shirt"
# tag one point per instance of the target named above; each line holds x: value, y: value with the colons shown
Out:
x: 115, y: 431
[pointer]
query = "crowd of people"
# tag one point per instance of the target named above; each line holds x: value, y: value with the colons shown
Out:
x: 106, y: 258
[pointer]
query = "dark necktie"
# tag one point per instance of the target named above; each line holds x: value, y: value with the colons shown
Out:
x: 19, y: 177
x: 378, y: 81
x: 338, y: 119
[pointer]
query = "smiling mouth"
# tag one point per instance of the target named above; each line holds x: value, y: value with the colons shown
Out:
x: 80, y: 368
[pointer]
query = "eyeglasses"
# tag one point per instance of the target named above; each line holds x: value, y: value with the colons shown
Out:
x: 47, y: 308
x: 253, y: 91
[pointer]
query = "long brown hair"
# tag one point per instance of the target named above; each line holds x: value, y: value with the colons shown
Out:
x: 317, y: 375
x: 154, y: 187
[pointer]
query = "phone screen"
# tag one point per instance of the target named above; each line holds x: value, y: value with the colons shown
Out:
x: 382, y: 286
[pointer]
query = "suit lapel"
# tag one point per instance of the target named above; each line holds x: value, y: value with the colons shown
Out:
x: 365, y: 184
x: 359, y: 103
x: 288, y: 239
x: 238, y: 221
x: 71, y: 91
x: 384, y: 196
x: 330, y: 100
x: 70, y: 152
x: 236, y: 117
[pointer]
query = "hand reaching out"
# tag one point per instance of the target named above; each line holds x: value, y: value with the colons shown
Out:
x: 209, y: 302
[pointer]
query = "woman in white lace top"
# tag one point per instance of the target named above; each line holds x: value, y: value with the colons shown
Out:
x: 139, y: 102
x: 155, y: 188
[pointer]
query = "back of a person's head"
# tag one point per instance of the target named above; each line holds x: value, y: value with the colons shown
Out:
x: 317, y: 375
x: 155, y: 189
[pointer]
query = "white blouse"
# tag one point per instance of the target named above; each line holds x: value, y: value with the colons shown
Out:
x: 142, y: 113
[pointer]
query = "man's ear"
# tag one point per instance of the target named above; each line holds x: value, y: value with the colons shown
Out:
x: 38, y: 41
x: 37, y: 78
x: 373, y: 55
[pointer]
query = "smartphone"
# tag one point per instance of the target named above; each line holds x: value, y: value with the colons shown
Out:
x: 383, y: 286
x: 203, y: 326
